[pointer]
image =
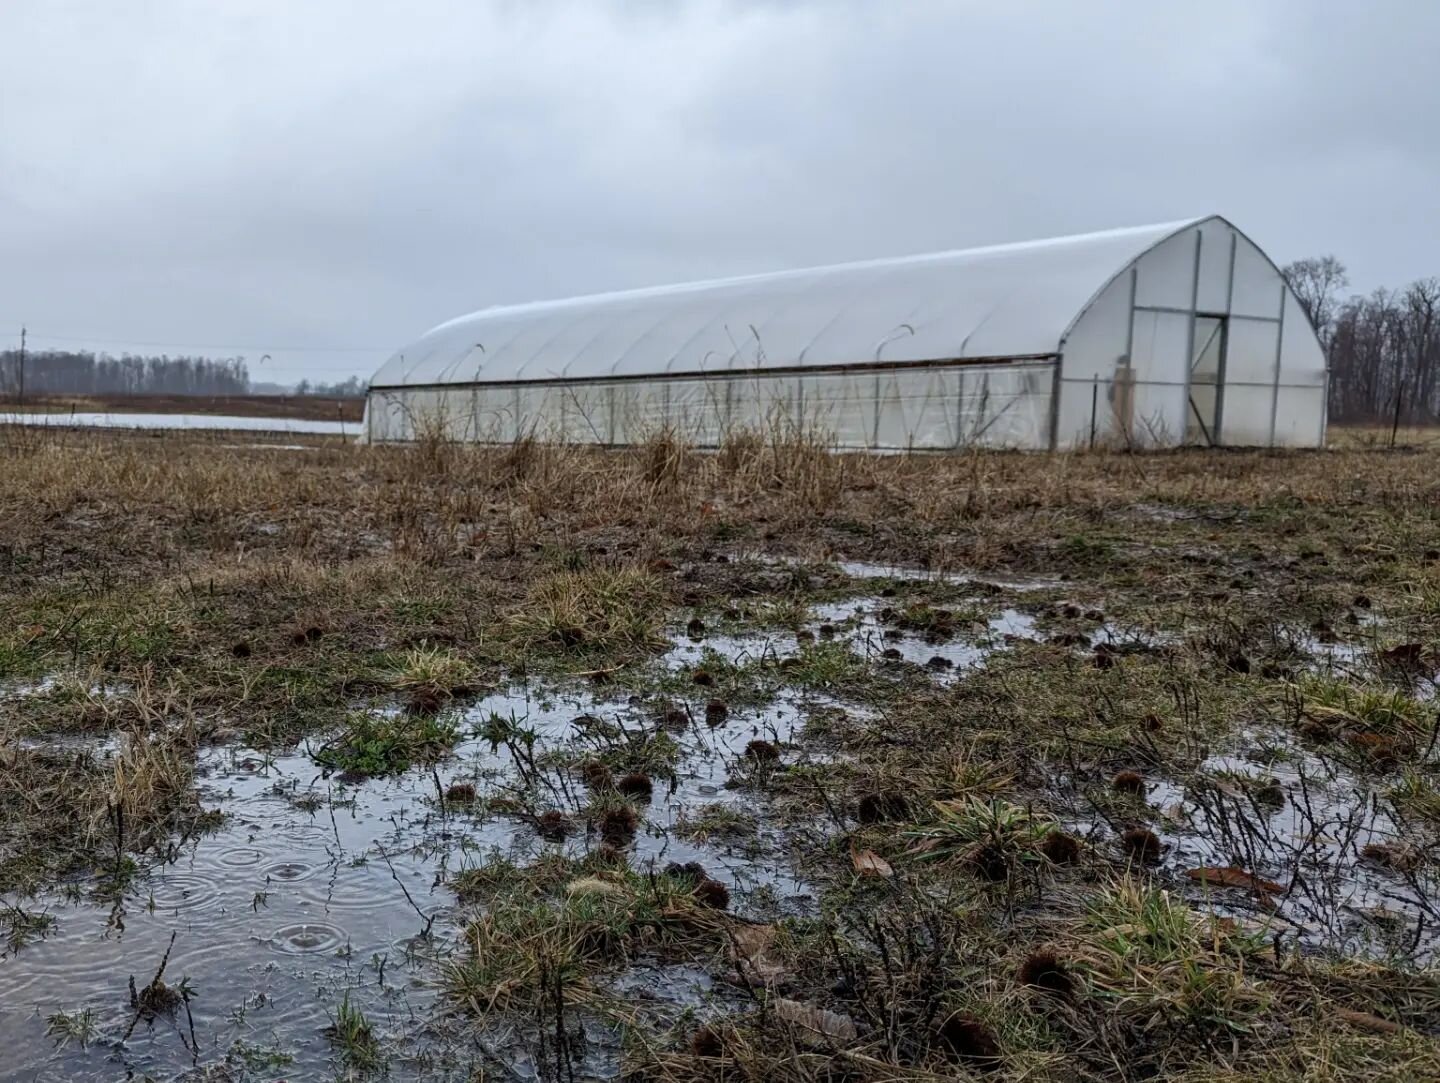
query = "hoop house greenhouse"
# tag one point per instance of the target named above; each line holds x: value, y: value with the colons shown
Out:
x: 1183, y: 333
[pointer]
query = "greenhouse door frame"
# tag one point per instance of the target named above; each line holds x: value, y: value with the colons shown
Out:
x: 1210, y: 420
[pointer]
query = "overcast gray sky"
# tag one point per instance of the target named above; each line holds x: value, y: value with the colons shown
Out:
x: 265, y: 176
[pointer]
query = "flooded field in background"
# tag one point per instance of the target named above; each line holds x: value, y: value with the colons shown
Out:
x: 179, y: 422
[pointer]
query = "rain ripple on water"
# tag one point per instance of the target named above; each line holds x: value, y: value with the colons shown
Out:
x: 308, y: 938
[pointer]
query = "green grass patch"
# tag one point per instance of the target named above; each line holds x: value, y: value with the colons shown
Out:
x: 354, y: 1036
x: 379, y: 745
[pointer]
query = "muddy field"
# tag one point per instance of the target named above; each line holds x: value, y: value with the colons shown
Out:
x: 540, y: 763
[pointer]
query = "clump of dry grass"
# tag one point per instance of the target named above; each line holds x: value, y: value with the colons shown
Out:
x: 965, y: 1038
x: 882, y: 806
x: 528, y: 945
x: 597, y: 610
x: 460, y: 793
x: 597, y: 775
x: 151, y: 776
x: 552, y: 824
x: 67, y: 809
x: 433, y: 674
x: 1142, y: 844
x: 618, y: 823
x: 762, y: 751
x: 1046, y: 971
x: 1152, y: 953
x: 790, y: 457
x: 1059, y: 847
x: 987, y: 835
x: 636, y: 785
x: 664, y: 459
x: 713, y: 893
x: 1129, y: 783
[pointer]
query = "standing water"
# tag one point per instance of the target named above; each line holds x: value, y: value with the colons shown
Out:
x: 317, y: 892
x: 181, y: 421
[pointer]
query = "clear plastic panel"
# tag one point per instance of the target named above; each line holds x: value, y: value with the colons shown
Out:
x: 1167, y: 273
x: 1302, y: 362
x: 924, y: 408
x: 1245, y: 421
x: 1250, y: 353
x: 1213, y: 293
x: 1257, y: 283
x: 1160, y: 352
x: 1299, y: 416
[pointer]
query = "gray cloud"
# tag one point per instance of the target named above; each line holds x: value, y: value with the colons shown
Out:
x: 263, y: 175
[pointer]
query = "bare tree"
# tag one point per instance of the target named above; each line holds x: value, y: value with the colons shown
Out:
x: 1317, y: 282
x: 1384, y: 353
x: 1422, y: 312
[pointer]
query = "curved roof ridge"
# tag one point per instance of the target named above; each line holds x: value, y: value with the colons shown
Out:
x: 1017, y: 299
x: 876, y: 263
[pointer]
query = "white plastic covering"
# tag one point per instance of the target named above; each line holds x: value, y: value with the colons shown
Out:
x: 1013, y: 300
x: 925, y: 352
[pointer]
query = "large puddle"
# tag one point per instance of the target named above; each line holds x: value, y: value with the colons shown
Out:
x: 316, y: 892
x: 275, y: 917
x: 859, y: 569
x: 874, y: 628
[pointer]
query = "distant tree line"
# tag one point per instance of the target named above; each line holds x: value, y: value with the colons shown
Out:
x: 353, y: 388
x: 1384, y: 347
x: 67, y: 372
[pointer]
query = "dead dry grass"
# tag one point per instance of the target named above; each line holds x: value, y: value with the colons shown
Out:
x: 163, y: 503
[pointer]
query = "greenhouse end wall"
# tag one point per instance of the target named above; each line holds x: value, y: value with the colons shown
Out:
x: 922, y: 408
x: 1200, y: 342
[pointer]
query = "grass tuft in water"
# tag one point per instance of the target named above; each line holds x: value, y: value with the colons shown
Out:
x: 526, y: 945
x: 77, y: 1026
x: 21, y: 927
x: 375, y: 746
x: 431, y: 673
x: 351, y: 1032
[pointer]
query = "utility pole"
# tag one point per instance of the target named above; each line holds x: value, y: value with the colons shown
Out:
x: 21, y: 396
